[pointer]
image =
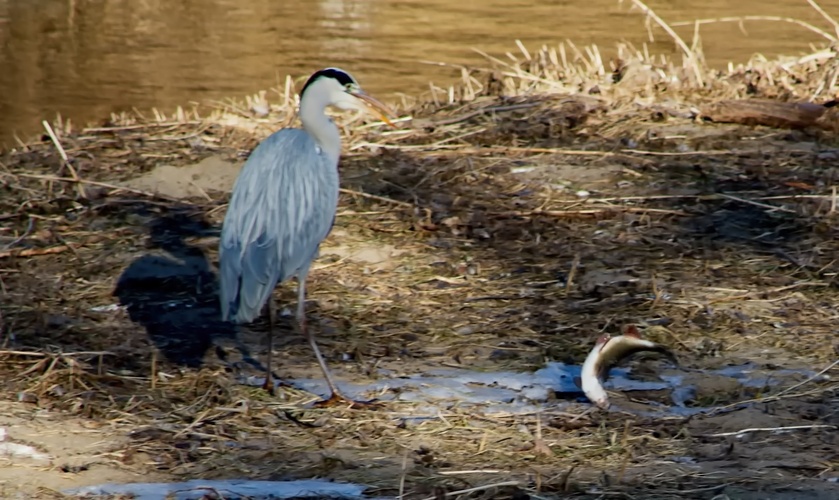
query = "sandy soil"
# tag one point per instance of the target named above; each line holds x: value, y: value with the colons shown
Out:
x: 74, y: 451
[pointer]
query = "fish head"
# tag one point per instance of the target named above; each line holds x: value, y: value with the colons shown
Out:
x: 631, y: 331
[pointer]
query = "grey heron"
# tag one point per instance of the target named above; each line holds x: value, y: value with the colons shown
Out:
x: 283, y: 206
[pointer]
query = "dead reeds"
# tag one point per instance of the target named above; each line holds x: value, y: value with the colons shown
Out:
x: 540, y: 202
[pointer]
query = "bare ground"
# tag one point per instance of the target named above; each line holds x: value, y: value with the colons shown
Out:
x: 518, y: 246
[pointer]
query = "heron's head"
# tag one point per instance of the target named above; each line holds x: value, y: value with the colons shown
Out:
x: 338, y: 88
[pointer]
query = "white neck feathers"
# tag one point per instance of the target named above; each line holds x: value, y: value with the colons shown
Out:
x: 313, y: 105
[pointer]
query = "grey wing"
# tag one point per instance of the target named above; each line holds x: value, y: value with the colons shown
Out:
x: 282, y: 207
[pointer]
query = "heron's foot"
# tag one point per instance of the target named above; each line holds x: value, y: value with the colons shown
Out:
x: 271, y: 384
x: 337, y: 399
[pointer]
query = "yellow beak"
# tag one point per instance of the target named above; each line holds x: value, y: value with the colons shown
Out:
x: 381, y: 109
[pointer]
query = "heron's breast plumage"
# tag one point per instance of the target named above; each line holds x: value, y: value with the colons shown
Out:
x: 282, y: 207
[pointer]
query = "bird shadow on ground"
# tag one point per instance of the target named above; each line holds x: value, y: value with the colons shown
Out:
x: 173, y: 293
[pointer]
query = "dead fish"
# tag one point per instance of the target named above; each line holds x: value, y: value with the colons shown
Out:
x: 609, y: 351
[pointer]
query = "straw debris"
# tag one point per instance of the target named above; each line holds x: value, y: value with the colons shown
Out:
x: 509, y: 220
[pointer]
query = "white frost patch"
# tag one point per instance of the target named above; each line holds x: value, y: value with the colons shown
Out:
x: 17, y: 450
x: 504, y: 391
x: 230, y: 489
x: 522, y: 392
x: 108, y: 308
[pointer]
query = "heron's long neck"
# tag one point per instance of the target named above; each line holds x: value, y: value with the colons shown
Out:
x: 315, y: 122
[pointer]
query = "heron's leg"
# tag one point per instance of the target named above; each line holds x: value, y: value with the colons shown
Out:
x: 272, y: 317
x: 304, y: 329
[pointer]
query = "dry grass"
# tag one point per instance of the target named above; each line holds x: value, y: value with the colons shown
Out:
x: 540, y: 202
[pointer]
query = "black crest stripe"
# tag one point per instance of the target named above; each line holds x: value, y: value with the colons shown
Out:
x: 340, y: 75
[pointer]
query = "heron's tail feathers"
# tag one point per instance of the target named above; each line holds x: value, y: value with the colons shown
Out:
x: 246, y: 282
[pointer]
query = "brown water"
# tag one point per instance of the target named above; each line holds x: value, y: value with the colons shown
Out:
x: 87, y: 58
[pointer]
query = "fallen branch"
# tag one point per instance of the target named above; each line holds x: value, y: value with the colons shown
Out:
x: 33, y: 354
x: 771, y: 208
x: 772, y: 429
x: 770, y: 113
x: 137, y: 127
x: 95, y: 183
x: 377, y: 198
x: 33, y: 252
x: 589, y: 211
x: 679, y: 153
x: 442, y: 150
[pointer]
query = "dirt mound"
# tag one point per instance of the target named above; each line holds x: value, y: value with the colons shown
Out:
x: 211, y: 175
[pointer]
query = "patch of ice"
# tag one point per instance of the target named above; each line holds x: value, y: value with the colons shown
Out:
x: 511, y: 390
x: 108, y: 308
x: 681, y: 394
x: 17, y: 450
x: 522, y: 392
x: 750, y: 375
x: 233, y: 489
